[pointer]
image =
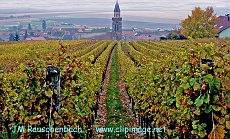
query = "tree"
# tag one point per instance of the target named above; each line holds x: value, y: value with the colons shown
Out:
x: 15, y: 28
x: 11, y: 38
x: 173, y: 35
x: 29, y: 27
x: 201, y: 24
x: 44, y: 25
x: 20, y: 26
x: 26, y: 35
x: 16, y: 37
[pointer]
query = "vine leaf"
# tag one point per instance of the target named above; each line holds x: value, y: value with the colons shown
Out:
x: 217, y: 133
x: 206, y: 98
x: 49, y: 93
x: 208, y: 78
x: 204, y: 66
x: 197, y: 112
x: 186, y: 86
x: 198, y: 102
x: 216, y: 82
x: 207, y: 108
x: 37, y: 117
x: 196, y: 86
x: 228, y: 124
x: 192, y: 81
x: 216, y: 107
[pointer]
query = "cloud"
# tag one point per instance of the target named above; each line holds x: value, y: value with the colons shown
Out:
x: 145, y: 9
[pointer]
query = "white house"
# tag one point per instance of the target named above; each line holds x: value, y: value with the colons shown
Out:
x: 225, y: 33
x: 223, y: 25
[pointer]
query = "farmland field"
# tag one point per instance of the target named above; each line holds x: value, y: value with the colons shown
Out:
x: 175, y: 89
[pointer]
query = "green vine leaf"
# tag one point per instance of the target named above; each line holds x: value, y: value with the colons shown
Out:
x: 198, y: 101
x: 192, y: 81
x: 208, y: 78
x: 207, y: 108
x: 216, y: 83
x: 206, y: 98
x: 186, y: 86
x: 49, y: 93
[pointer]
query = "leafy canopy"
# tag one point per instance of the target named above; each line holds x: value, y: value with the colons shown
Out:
x: 201, y: 24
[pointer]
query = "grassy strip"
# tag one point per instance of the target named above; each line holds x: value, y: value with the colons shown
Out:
x: 116, y: 117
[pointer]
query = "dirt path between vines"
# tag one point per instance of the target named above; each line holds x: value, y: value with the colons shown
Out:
x: 102, y: 111
x: 101, y: 120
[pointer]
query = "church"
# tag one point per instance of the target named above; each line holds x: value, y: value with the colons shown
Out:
x: 117, y: 23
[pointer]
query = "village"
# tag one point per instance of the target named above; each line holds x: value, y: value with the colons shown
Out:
x: 40, y: 30
x: 49, y: 30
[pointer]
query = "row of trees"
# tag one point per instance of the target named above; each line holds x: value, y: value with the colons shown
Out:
x: 16, y: 36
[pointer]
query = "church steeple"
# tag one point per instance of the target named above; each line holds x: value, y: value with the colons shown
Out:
x: 117, y: 8
x: 117, y: 23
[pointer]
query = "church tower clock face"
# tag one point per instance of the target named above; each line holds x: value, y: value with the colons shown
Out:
x: 117, y: 23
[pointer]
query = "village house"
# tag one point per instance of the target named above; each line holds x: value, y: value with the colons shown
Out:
x: 35, y: 39
x: 223, y: 25
x: 4, y: 36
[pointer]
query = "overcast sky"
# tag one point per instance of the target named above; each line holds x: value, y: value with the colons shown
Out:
x: 145, y: 10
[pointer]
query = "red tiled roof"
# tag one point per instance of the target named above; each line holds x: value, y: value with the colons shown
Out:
x: 4, y: 34
x: 149, y: 37
x: 223, y: 23
x: 128, y: 33
x: 80, y: 30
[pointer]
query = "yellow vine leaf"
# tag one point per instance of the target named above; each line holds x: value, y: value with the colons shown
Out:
x: 91, y: 58
x: 217, y: 133
x: 37, y: 117
x: 228, y: 124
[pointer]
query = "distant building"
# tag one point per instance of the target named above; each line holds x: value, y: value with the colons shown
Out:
x: 223, y: 25
x: 58, y: 34
x: 225, y: 33
x: 117, y: 24
x: 4, y: 36
x: 80, y: 30
x: 35, y: 39
x: 149, y: 37
x: 91, y: 36
x: 68, y: 37
x: 129, y: 35
x: 52, y: 38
